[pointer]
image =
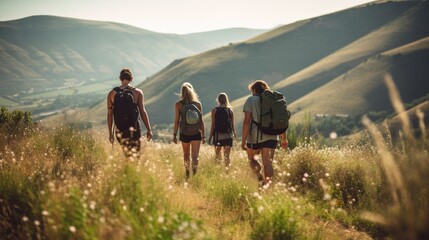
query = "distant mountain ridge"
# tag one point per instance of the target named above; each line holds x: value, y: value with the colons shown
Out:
x: 49, y: 50
x: 329, y: 64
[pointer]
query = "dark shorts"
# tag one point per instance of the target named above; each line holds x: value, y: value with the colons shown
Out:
x: 188, y: 139
x: 223, y: 142
x: 129, y: 139
x: 267, y: 144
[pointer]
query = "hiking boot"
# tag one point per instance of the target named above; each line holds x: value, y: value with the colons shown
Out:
x: 187, y: 174
x: 194, y: 170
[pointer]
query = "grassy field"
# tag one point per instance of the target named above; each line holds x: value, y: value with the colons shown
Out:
x: 7, y: 102
x: 96, y: 88
x: 65, y: 183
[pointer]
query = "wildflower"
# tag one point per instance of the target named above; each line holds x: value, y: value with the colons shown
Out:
x: 72, y: 229
x: 45, y: 213
x: 260, y: 209
x: 306, y: 175
x: 25, y: 219
x: 327, y: 196
x: 37, y: 223
x: 265, y: 187
x: 161, y: 219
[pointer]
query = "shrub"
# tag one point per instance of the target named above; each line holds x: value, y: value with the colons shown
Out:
x: 78, y: 153
x: 14, y: 124
x: 20, y: 206
x: 277, y: 221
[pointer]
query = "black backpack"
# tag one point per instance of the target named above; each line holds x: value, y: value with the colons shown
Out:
x: 222, y: 120
x: 125, y: 112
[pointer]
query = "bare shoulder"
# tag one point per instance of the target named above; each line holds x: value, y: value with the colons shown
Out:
x: 111, y: 94
x: 138, y: 91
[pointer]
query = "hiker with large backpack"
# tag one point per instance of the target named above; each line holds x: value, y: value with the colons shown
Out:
x: 124, y: 106
x: 188, y: 117
x: 222, y: 128
x: 265, y: 118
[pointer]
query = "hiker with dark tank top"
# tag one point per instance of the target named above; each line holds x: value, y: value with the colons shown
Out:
x: 188, y: 118
x: 254, y: 141
x: 222, y: 128
x: 124, y: 106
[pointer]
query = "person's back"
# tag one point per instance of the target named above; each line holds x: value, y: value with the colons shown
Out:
x: 125, y: 110
x: 124, y: 105
x: 222, y: 128
x: 253, y: 104
x: 254, y: 141
x: 188, y: 118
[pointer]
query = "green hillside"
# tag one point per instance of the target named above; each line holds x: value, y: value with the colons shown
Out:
x: 296, y: 59
x: 362, y: 89
x: 45, y: 51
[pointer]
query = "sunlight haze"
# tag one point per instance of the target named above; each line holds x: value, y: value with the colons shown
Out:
x: 185, y: 16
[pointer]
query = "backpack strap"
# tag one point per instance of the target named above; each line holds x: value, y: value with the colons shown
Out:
x: 118, y: 89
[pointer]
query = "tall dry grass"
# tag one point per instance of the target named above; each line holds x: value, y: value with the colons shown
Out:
x: 406, y: 171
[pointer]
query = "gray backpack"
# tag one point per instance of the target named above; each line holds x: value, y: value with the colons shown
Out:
x: 190, y: 119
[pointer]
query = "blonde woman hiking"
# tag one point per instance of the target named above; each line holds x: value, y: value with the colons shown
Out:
x: 222, y: 128
x: 188, y: 118
x: 124, y: 105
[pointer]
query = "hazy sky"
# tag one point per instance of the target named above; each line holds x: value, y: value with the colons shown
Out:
x: 179, y: 16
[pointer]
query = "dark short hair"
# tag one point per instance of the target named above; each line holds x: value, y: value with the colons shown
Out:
x: 259, y: 86
x: 125, y: 74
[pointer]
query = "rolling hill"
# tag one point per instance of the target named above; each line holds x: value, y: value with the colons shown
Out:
x: 328, y: 64
x: 47, y: 51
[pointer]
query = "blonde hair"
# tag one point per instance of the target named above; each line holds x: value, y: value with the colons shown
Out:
x: 222, y: 99
x: 188, y: 93
x: 259, y: 86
